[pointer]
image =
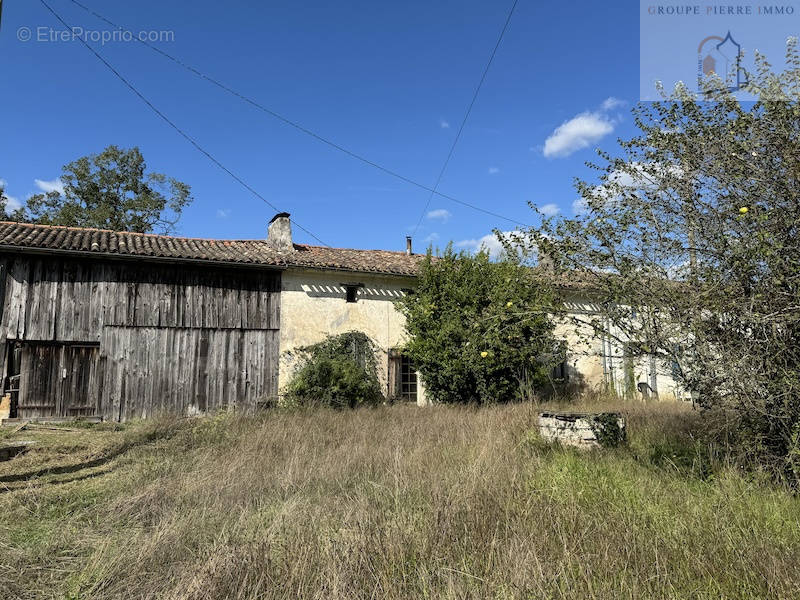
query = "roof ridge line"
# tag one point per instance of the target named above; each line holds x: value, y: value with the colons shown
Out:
x: 106, y: 242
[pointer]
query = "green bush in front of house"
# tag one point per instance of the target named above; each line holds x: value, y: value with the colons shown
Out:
x: 480, y: 330
x: 340, y: 372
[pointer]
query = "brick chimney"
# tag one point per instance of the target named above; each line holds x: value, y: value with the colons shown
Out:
x: 408, y: 245
x: 279, y: 234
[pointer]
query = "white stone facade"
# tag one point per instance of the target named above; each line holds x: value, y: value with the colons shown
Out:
x: 314, y: 305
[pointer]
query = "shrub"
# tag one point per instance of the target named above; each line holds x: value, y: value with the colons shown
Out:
x: 607, y: 430
x: 479, y: 329
x: 340, y: 371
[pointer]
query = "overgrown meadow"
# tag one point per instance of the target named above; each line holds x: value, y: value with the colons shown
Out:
x: 390, y: 502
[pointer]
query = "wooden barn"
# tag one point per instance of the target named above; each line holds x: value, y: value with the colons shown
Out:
x: 122, y: 325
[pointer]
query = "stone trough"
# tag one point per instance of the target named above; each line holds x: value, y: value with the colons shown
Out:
x: 583, y: 430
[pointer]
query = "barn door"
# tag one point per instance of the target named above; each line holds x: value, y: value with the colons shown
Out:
x: 39, y: 381
x: 57, y: 381
x: 79, y: 381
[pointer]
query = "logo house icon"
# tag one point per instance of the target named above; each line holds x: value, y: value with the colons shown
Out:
x: 722, y: 57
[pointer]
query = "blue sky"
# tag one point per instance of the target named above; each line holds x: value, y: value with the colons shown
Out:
x: 388, y: 80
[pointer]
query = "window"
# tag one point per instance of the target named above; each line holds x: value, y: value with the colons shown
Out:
x: 402, y: 377
x: 352, y: 293
x: 408, y: 379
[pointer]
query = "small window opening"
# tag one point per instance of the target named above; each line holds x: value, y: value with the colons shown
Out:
x: 352, y: 293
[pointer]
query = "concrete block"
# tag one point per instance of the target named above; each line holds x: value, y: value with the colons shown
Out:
x: 583, y: 430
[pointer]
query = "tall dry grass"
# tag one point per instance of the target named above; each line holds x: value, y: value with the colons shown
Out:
x: 393, y: 502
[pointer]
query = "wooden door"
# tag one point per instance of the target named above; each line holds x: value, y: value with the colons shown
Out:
x: 79, y: 393
x: 58, y: 381
x: 39, y: 387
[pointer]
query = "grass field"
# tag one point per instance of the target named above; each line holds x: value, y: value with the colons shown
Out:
x: 393, y: 502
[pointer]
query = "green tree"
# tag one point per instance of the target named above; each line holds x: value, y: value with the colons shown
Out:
x: 14, y: 214
x: 690, y: 241
x: 479, y: 331
x: 112, y: 190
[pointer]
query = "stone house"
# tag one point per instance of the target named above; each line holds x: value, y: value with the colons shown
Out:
x: 124, y: 325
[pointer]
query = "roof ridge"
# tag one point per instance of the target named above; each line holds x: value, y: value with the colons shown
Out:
x: 254, y: 252
x: 399, y: 252
x: 189, y: 238
x: 116, y: 232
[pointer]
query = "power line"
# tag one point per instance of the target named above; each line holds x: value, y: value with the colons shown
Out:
x: 466, y: 116
x: 297, y: 125
x: 167, y: 120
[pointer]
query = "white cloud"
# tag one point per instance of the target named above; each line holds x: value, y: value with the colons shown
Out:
x: 489, y: 243
x: 577, y: 133
x: 636, y: 176
x: 579, y: 206
x: 430, y: 238
x: 550, y: 210
x: 50, y: 186
x: 493, y: 170
x: 582, y: 130
x: 631, y: 178
x: 12, y: 202
x: 678, y: 271
x: 439, y: 214
x: 223, y: 213
x: 611, y: 103
x: 444, y: 124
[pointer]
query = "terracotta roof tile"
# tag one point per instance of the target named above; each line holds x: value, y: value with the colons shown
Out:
x: 102, y: 242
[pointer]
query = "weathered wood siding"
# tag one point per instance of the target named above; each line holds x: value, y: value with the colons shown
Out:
x: 151, y: 370
x: 66, y: 300
x: 173, y: 338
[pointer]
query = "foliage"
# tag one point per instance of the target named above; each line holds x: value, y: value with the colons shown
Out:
x: 607, y: 430
x: 479, y: 329
x: 15, y: 214
x: 340, y: 371
x: 691, y: 244
x: 112, y: 190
